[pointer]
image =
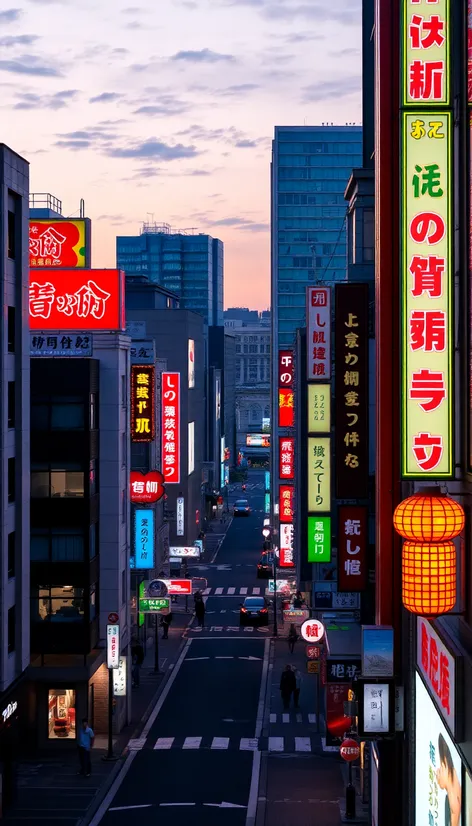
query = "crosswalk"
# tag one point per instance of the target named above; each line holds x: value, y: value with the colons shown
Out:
x: 232, y: 591
x: 287, y: 745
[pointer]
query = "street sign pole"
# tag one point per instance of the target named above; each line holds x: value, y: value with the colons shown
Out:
x: 156, y: 646
x: 275, y: 595
x: 113, y: 661
x: 110, y: 755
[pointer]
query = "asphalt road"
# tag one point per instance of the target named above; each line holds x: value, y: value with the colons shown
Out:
x: 198, y: 763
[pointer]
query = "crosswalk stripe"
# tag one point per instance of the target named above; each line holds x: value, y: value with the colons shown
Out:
x: 302, y: 744
x: 276, y: 743
x: 220, y: 743
x: 207, y: 591
x: 285, y: 718
x: 273, y: 718
x: 192, y: 743
x: 231, y: 590
x: 256, y: 591
x: 164, y: 742
x: 312, y: 718
x: 218, y: 591
x: 249, y: 744
x: 243, y: 590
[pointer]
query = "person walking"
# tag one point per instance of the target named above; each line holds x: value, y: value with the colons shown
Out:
x: 166, y: 622
x: 298, y: 685
x: 85, y: 744
x: 292, y: 637
x: 287, y: 685
x: 200, y: 612
x: 137, y: 659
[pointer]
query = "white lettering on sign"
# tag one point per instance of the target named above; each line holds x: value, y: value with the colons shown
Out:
x: 113, y: 646
x: 9, y: 710
x: 437, y: 666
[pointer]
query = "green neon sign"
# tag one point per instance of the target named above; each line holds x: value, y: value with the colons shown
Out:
x: 319, y: 539
x: 153, y: 606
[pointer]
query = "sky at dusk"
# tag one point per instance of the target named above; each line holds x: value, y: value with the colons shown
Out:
x: 165, y: 110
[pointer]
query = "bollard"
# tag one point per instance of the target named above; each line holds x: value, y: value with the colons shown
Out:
x: 350, y: 802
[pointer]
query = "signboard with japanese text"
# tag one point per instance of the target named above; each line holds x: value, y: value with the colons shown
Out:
x: 286, y: 368
x: 319, y: 408
x: 57, y: 243
x: 113, y: 646
x: 438, y: 668
x: 376, y: 702
x: 142, y: 351
x: 286, y: 494
x: 319, y: 474
x: 425, y: 52
x: 75, y: 344
x: 180, y: 516
x: 352, y: 390
x: 286, y: 546
x: 146, y: 487
x: 143, y: 403
x: 427, y: 281
x: 144, y: 538
x: 318, y: 333
x: 286, y: 458
x: 313, y: 667
x: 88, y: 300
x: 337, y: 724
x: 332, y: 600
x: 352, y: 549
x: 437, y: 762
x: 319, y: 539
x: 157, y: 605
x: 119, y: 679
x: 312, y: 630
x: 184, y: 551
x: 170, y: 394
x: 286, y: 410
x: 342, y: 669
x: 257, y: 440
x: 191, y: 363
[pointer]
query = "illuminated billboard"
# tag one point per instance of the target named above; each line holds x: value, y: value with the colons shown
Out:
x: 77, y: 300
x: 425, y: 53
x: 319, y: 408
x: 286, y: 411
x: 286, y: 498
x: 144, y: 538
x: 257, y: 440
x: 143, y: 403
x: 286, y: 458
x: 170, y: 393
x: 319, y: 474
x: 318, y: 333
x: 319, y: 539
x: 57, y: 243
x: 427, y: 273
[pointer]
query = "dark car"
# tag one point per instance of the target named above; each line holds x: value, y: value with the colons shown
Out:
x: 254, y: 611
x: 241, y: 508
x: 265, y: 566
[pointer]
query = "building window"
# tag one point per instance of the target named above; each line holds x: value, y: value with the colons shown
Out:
x: 39, y: 545
x: 61, y: 714
x: 11, y: 404
x: 11, y: 555
x: 64, y: 482
x: 124, y: 449
x: 60, y: 545
x: 58, y: 603
x: 11, y: 329
x: 11, y: 479
x: 255, y: 414
x: 11, y: 629
x: 11, y: 234
x: 67, y: 414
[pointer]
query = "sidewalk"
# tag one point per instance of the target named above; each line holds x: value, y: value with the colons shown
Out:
x: 49, y: 789
x: 305, y: 786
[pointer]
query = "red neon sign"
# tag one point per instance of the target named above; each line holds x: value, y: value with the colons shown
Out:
x: 146, y: 487
x: 286, y: 458
x: 171, y: 427
x: 286, y: 503
x: 76, y: 300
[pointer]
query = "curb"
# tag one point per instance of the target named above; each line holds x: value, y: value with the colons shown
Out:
x: 263, y: 776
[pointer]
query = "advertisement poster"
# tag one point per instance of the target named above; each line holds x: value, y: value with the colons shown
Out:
x: 468, y: 801
x: 76, y: 300
x: 438, y: 793
x: 54, y: 243
x: 377, y: 651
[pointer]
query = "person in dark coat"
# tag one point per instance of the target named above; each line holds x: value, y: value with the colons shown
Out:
x: 166, y: 621
x: 288, y: 685
x: 292, y: 637
x: 200, y: 612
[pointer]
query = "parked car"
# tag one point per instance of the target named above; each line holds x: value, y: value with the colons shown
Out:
x: 241, y: 508
x: 254, y: 611
x: 265, y: 565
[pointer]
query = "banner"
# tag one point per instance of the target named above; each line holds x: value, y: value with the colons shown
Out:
x: 170, y: 394
x: 352, y: 549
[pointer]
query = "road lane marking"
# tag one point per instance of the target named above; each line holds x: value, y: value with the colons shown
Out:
x: 262, y: 691
x: 285, y: 718
x: 164, y: 693
x: 256, y: 591
x: 225, y: 805
x: 273, y: 718
x: 276, y: 743
x: 302, y: 744
x: 164, y: 742
x: 177, y: 804
x: 194, y: 659
x: 192, y: 743
x: 220, y: 743
x: 125, y: 808
x: 243, y: 591
x: 312, y: 718
x: 101, y: 811
x: 249, y: 744
x: 224, y: 658
x: 231, y: 591
x: 218, y: 592
x: 206, y: 592
x: 254, y: 789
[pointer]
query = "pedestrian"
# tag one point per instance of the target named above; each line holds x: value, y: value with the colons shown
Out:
x: 287, y: 685
x: 298, y: 685
x: 200, y: 612
x: 166, y: 621
x: 298, y: 600
x: 137, y: 659
x: 86, y: 738
x: 292, y: 637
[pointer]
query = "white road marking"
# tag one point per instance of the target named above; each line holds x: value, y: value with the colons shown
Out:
x: 113, y: 789
x: 256, y: 591
x: 302, y: 744
x: 312, y: 718
x: 137, y: 744
x: 243, y: 591
x: 225, y: 805
x: 249, y: 658
x: 194, y: 659
x: 164, y: 742
x: 192, y: 743
x: 224, y: 658
x: 276, y: 743
x: 177, y: 804
x: 218, y: 592
x: 125, y: 808
x: 285, y: 718
x: 163, y: 695
x: 206, y: 591
x: 231, y: 591
x: 220, y: 743
x: 273, y: 718
x: 254, y: 789
x: 249, y: 744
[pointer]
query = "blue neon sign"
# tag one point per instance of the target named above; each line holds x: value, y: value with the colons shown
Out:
x: 144, y: 538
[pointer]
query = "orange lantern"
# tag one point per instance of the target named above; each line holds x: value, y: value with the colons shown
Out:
x: 429, y: 517
x: 429, y: 577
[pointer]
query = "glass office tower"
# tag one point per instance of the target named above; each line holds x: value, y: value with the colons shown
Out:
x: 311, y: 166
x: 190, y: 265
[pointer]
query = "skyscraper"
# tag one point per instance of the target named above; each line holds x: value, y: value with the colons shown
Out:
x: 189, y: 265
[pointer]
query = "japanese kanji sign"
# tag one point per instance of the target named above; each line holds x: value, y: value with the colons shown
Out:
x: 318, y: 333
x: 170, y: 394
x: 286, y: 411
x: 319, y: 539
x: 286, y: 546
x: 286, y: 459
x: 146, y: 487
x: 286, y: 503
x: 76, y: 300
x: 285, y: 368
x: 426, y: 46
x: 427, y: 270
x: 319, y: 474
x: 77, y: 344
x: 142, y: 351
x: 352, y: 403
x: 144, y: 538
x: 352, y: 549
x: 143, y: 403
x: 319, y: 408
x: 56, y: 243
x: 342, y: 670
x: 438, y: 667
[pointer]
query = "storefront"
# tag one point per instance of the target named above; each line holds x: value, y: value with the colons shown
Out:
x: 14, y: 716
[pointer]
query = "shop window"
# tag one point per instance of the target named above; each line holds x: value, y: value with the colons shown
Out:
x: 61, y: 713
x: 58, y: 603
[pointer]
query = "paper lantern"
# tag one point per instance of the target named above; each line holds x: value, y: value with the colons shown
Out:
x: 429, y: 577
x: 429, y: 517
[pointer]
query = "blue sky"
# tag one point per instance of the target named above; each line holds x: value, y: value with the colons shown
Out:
x: 168, y: 109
